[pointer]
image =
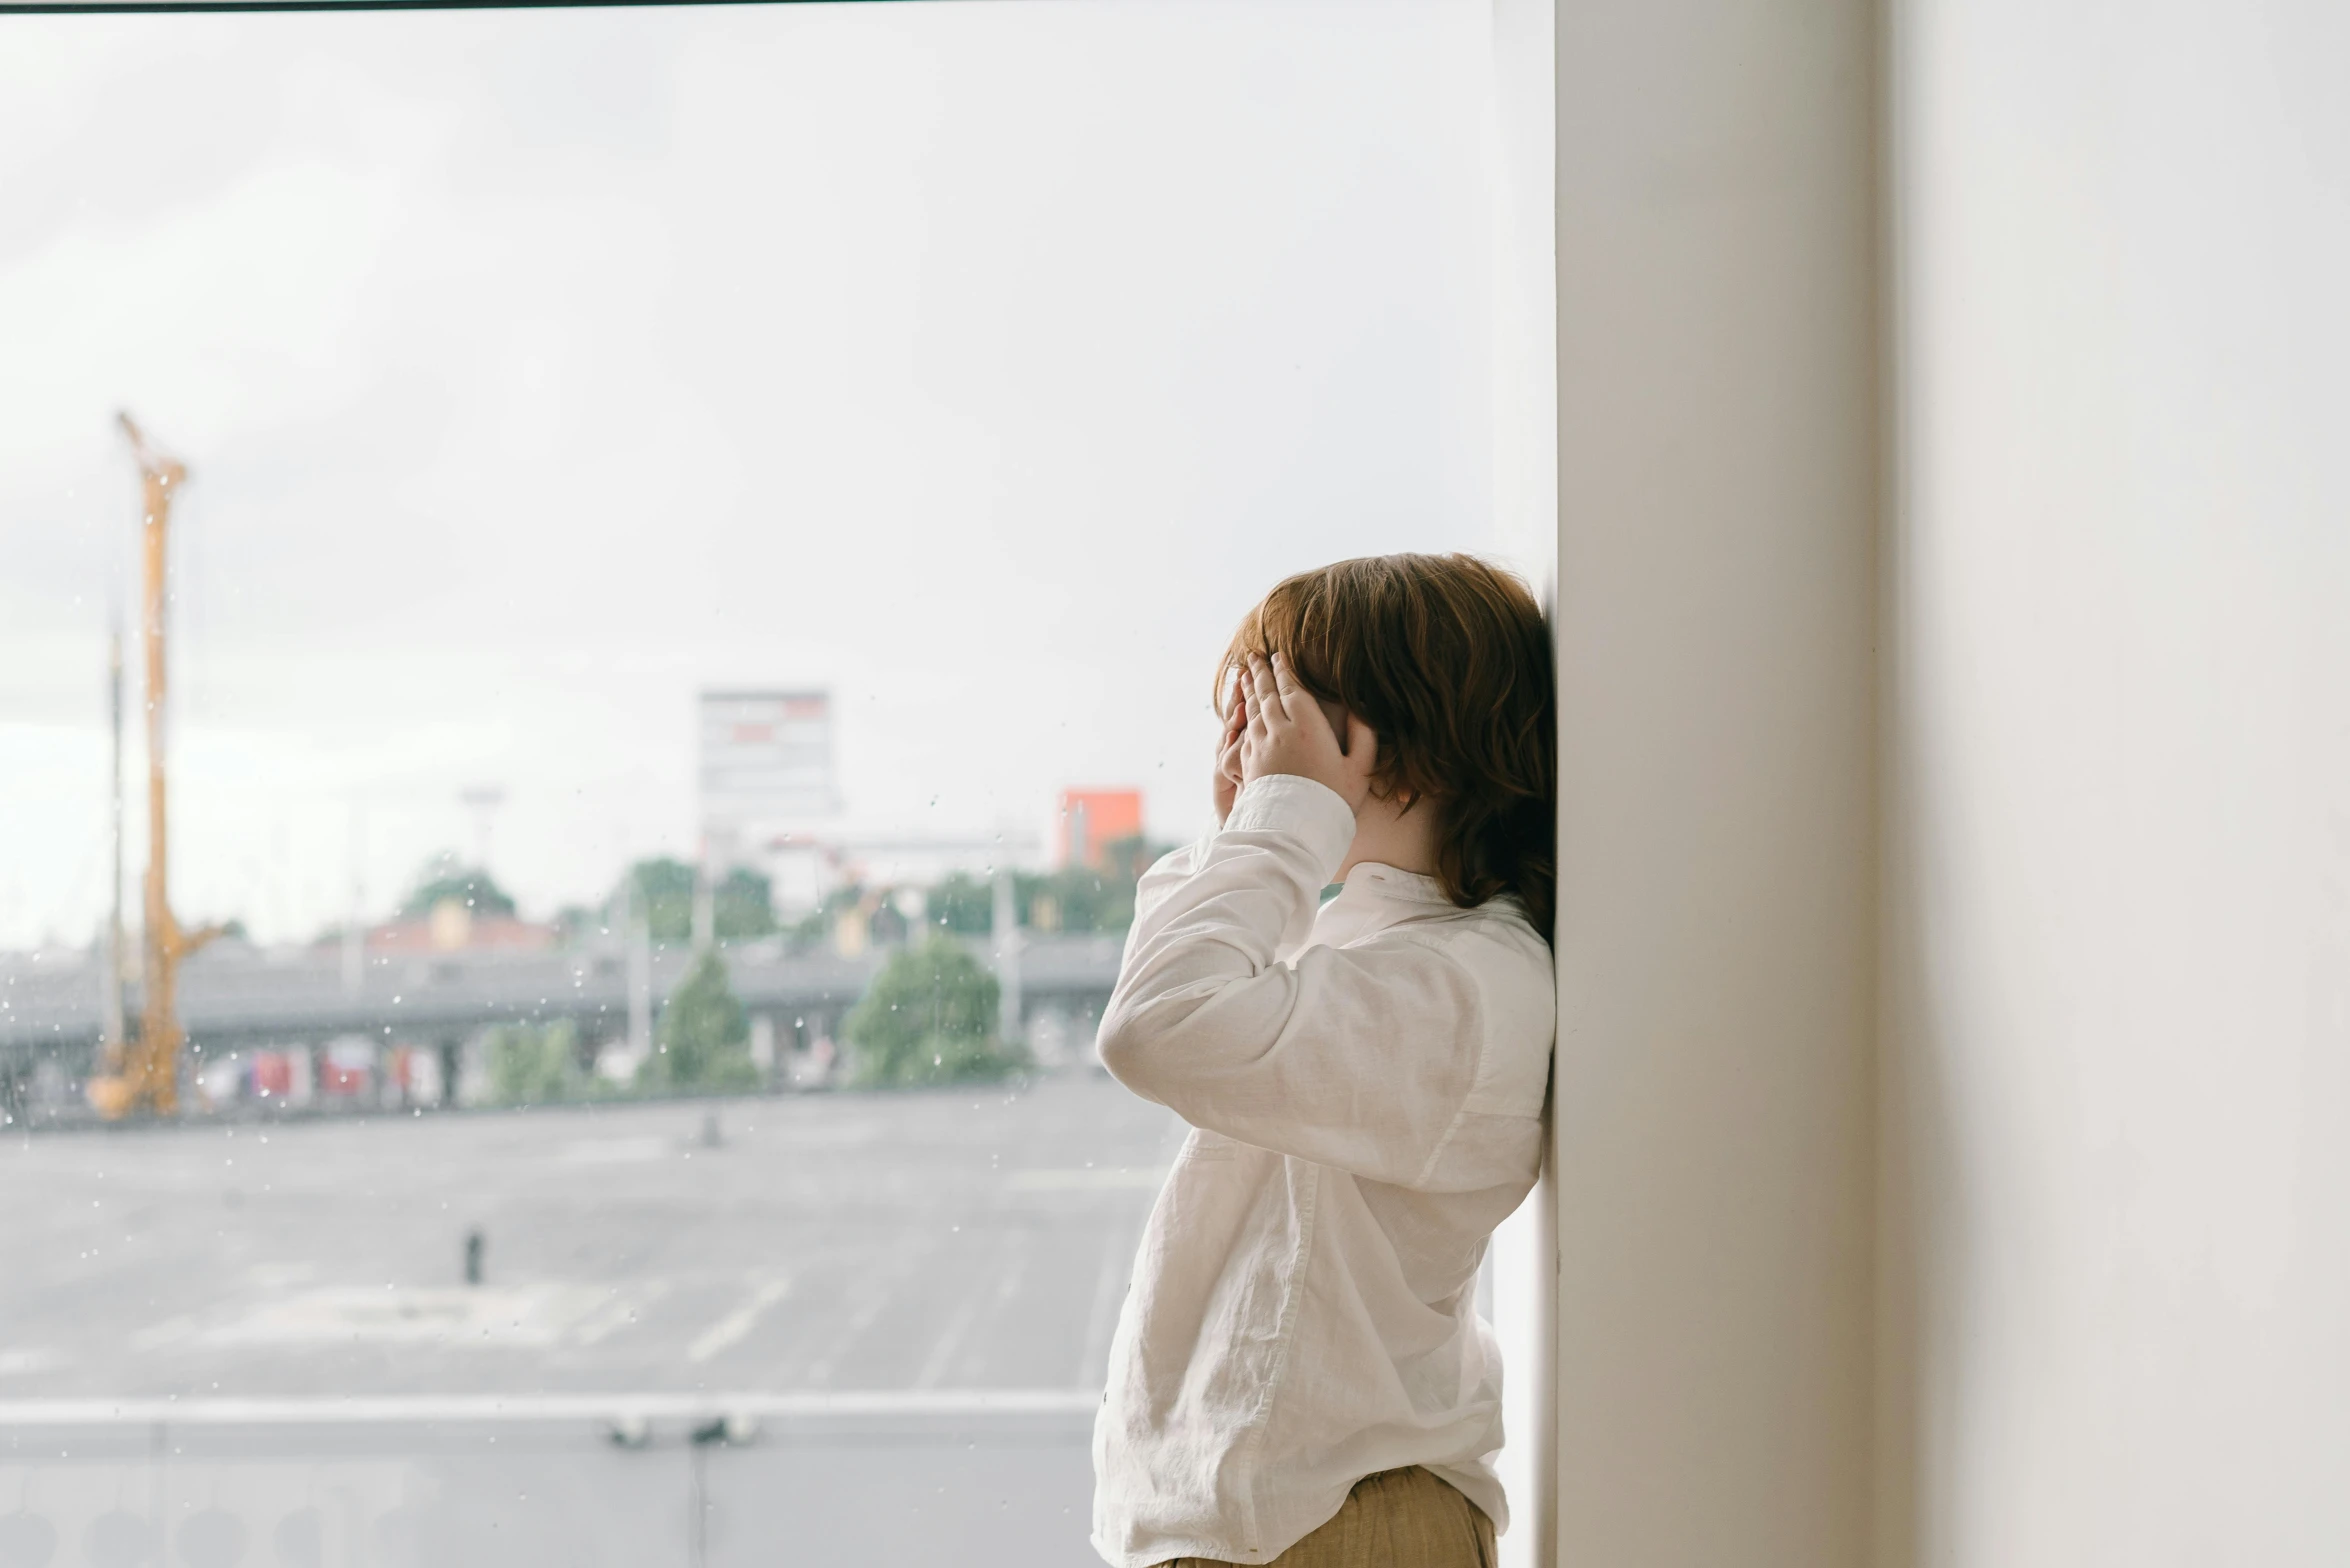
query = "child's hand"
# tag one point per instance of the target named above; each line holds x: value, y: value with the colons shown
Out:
x: 1228, y: 780
x: 1287, y: 732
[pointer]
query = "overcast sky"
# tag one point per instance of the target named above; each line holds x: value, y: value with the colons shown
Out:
x: 980, y: 362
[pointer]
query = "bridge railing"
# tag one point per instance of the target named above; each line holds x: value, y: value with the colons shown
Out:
x: 969, y: 1476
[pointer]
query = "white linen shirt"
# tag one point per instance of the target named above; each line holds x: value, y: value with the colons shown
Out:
x: 1365, y: 1086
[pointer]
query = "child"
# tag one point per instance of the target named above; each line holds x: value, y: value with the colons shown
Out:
x: 1299, y: 1375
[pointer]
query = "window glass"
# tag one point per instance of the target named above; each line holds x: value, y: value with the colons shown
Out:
x: 703, y: 538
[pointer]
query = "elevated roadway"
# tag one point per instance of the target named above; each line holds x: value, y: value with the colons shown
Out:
x: 234, y: 996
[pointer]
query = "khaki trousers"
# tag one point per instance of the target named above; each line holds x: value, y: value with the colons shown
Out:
x: 1395, y: 1519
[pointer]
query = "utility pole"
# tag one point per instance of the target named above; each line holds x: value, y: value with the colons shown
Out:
x: 150, y: 1076
x: 110, y: 991
x: 1004, y: 926
x: 483, y: 800
x: 355, y: 923
x: 637, y: 934
x: 705, y: 908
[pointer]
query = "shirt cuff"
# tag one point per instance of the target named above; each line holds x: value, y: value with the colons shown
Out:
x: 1311, y: 813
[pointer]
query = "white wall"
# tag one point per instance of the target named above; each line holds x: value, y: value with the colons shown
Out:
x: 2117, y: 1216
x: 1718, y: 489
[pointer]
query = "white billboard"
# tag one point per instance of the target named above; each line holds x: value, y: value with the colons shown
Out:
x: 766, y: 760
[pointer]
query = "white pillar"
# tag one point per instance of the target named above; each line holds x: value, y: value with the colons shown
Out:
x: 1525, y: 490
x: 1718, y: 489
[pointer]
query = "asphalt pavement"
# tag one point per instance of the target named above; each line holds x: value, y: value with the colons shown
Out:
x: 837, y: 1329
x: 951, y: 1239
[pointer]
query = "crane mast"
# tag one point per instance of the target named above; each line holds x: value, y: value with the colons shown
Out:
x: 148, y: 1081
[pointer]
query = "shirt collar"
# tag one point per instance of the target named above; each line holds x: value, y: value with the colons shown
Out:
x: 1373, y: 880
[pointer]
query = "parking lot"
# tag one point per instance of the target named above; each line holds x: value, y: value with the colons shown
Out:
x: 972, y: 1239
x: 257, y: 1342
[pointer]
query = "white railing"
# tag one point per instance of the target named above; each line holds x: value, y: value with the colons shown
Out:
x: 705, y: 1480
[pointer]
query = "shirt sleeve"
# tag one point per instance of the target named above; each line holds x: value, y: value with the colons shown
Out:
x: 1361, y: 1057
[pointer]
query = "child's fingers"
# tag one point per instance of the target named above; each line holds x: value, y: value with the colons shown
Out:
x: 1307, y: 711
x: 1294, y: 700
x: 1284, y: 681
x: 1268, y: 704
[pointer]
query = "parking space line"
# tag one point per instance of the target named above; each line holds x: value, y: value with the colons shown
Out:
x: 730, y: 1330
x: 950, y: 1339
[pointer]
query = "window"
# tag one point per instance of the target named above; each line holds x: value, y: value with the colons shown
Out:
x: 695, y: 522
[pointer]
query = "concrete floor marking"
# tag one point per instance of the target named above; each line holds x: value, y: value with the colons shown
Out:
x: 643, y: 1149
x: 875, y: 1291
x: 621, y: 1311
x: 169, y: 1332
x: 731, y: 1329
x: 950, y: 1338
x: 457, y: 1317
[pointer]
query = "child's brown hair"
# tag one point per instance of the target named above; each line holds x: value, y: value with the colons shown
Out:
x: 1448, y: 660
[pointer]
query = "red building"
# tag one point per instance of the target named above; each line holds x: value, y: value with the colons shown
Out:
x: 1094, y: 819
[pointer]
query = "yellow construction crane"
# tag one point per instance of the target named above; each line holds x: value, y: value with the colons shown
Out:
x: 145, y: 1077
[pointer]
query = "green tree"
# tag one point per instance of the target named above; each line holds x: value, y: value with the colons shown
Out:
x: 742, y: 906
x: 442, y: 879
x: 577, y: 922
x: 963, y: 904
x: 816, y: 924
x: 1075, y: 898
x: 1103, y: 900
x: 928, y: 1018
x: 533, y: 1064
x: 664, y: 896
x: 705, y: 1035
x: 884, y: 926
